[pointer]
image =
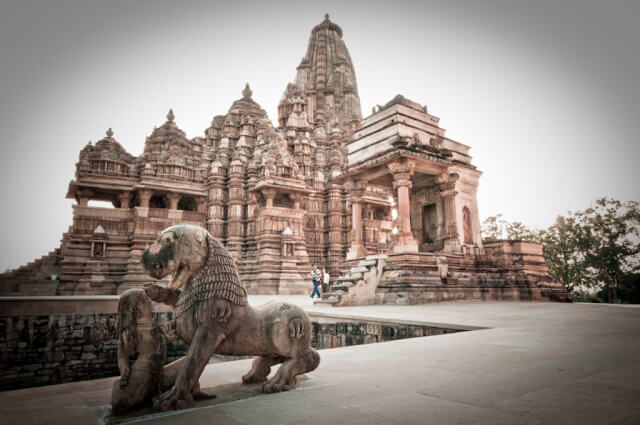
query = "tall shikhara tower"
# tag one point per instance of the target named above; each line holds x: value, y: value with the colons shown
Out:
x: 325, y: 91
x: 318, y: 112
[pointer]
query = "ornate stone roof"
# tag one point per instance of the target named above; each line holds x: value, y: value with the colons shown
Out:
x: 169, y: 144
x: 273, y: 156
x: 327, y: 24
x: 246, y: 105
x: 106, y: 148
x: 106, y: 157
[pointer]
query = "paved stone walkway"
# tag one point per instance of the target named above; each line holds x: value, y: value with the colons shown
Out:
x: 538, y: 363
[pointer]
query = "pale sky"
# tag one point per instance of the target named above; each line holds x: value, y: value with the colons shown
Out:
x: 546, y: 93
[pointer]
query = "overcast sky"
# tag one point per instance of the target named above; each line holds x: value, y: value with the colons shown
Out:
x: 545, y: 93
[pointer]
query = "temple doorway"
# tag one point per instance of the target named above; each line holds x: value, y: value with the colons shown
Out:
x: 429, y: 223
x: 466, y: 226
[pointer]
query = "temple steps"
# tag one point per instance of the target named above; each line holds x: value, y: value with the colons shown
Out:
x: 357, y: 285
x: 33, y: 278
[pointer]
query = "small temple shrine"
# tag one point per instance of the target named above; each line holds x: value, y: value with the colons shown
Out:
x: 386, y: 203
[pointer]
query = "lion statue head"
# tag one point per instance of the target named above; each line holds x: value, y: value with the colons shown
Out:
x: 196, y: 259
x: 181, y: 250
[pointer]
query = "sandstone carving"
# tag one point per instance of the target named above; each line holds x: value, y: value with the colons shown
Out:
x: 140, y: 334
x: 213, y: 316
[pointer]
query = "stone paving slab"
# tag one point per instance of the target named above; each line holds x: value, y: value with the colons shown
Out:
x: 535, y: 363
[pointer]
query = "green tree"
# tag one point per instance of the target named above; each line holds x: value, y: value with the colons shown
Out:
x: 517, y: 231
x: 597, y: 246
x: 609, y: 237
x: 495, y: 227
x: 563, y: 253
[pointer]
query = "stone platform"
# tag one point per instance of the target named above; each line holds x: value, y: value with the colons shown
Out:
x: 506, y: 270
x: 536, y: 363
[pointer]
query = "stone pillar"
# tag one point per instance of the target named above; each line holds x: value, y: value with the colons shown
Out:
x: 235, y: 204
x: 336, y: 205
x: 401, y: 170
x: 403, y: 186
x: 83, y: 196
x: 356, y: 220
x: 145, y: 196
x: 448, y: 193
x: 174, y: 198
x: 297, y: 200
x: 356, y: 190
x: 215, y: 212
x: 201, y: 204
x: 269, y: 194
x: 125, y: 199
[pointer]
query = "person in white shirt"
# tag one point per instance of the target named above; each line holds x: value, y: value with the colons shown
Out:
x: 325, y: 281
x: 315, y: 278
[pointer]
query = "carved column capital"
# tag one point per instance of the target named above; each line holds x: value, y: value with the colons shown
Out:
x: 269, y: 194
x: 403, y: 180
x: 145, y: 194
x: 125, y: 199
x: 297, y: 198
x: 174, y: 198
x: 448, y: 193
x: 83, y: 196
x: 447, y: 178
x: 355, y: 189
x: 348, y: 185
x: 361, y: 184
x: 447, y: 184
x: 401, y: 167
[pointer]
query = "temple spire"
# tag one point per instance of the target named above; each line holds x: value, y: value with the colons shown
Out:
x: 170, y: 116
x: 246, y: 93
x: 109, y: 133
x: 326, y: 81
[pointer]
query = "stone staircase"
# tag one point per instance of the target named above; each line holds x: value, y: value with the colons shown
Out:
x: 358, y: 285
x: 33, y: 278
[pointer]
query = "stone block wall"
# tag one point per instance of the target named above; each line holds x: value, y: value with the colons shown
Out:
x: 40, y: 350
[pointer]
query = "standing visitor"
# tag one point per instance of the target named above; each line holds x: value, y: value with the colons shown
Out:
x: 315, y: 278
x: 325, y: 281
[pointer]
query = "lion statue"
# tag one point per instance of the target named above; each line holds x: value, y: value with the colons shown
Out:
x: 212, y: 316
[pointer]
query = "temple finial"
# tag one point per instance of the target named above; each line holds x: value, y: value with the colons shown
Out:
x: 170, y: 116
x: 246, y: 93
x: 326, y: 16
x: 109, y: 133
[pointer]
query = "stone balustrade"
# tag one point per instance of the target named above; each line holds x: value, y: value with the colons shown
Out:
x: 109, y: 168
x: 100, y: 212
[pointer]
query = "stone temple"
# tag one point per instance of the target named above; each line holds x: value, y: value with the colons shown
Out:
x: 386, y: 203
